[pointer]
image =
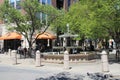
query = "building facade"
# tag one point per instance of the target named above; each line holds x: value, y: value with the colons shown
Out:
x: 59, y: 4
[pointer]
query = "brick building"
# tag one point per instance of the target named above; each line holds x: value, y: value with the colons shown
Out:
x: 62, y: 3
x: 59, y: 4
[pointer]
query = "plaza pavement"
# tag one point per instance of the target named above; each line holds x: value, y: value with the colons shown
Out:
x: 94, y: 66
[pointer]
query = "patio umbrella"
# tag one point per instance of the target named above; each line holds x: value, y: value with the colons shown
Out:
x: 11, y: 35
x: 46, y: 35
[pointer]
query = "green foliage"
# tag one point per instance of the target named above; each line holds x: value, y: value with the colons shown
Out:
x: 80, y: 16
x: 59, y: 23
x: 92, y: 19
x: 26, y: 20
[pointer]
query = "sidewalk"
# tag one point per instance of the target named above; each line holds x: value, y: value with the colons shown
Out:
x: 82, y: 68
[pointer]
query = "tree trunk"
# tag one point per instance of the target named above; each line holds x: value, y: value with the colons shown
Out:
x: 30, y: 50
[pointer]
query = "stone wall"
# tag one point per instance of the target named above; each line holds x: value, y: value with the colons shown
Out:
x: 72, y: 57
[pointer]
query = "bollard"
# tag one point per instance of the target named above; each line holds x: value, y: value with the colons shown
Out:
x: 85, y: 53
x: 38, y: 59
x: 9, y: 52
x: 53, y: 53
x: 104, y: 59
x: 14, y: 57
x: 66, y: 60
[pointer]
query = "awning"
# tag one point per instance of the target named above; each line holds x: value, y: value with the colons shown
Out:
x: 11, y: 35
x: 46, y: 35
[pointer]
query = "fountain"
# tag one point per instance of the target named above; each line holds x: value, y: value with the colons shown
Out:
x: 65, y: 41
x: 67, y: 35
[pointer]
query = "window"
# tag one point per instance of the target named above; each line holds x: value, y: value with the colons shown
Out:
x: 48, y: 1
x: 43, y: 16
x: 12, y: 3
x: 15, y: 4
x: 45, y: 1
x: 59, y: 4
x: 18, y: 4
x: 69, y: 3
x: 76, y: 0
x: 38, y: 0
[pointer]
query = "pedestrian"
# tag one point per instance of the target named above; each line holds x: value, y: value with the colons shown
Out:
x: 19, y: 50
x: 25, y: 51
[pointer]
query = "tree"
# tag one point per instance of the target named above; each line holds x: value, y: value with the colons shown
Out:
x: 58, y: 24
x: 107, y: 14
x: 94, y: 19
x: 27, y: 23
x: 83, y: 15
x: 79, y: 17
